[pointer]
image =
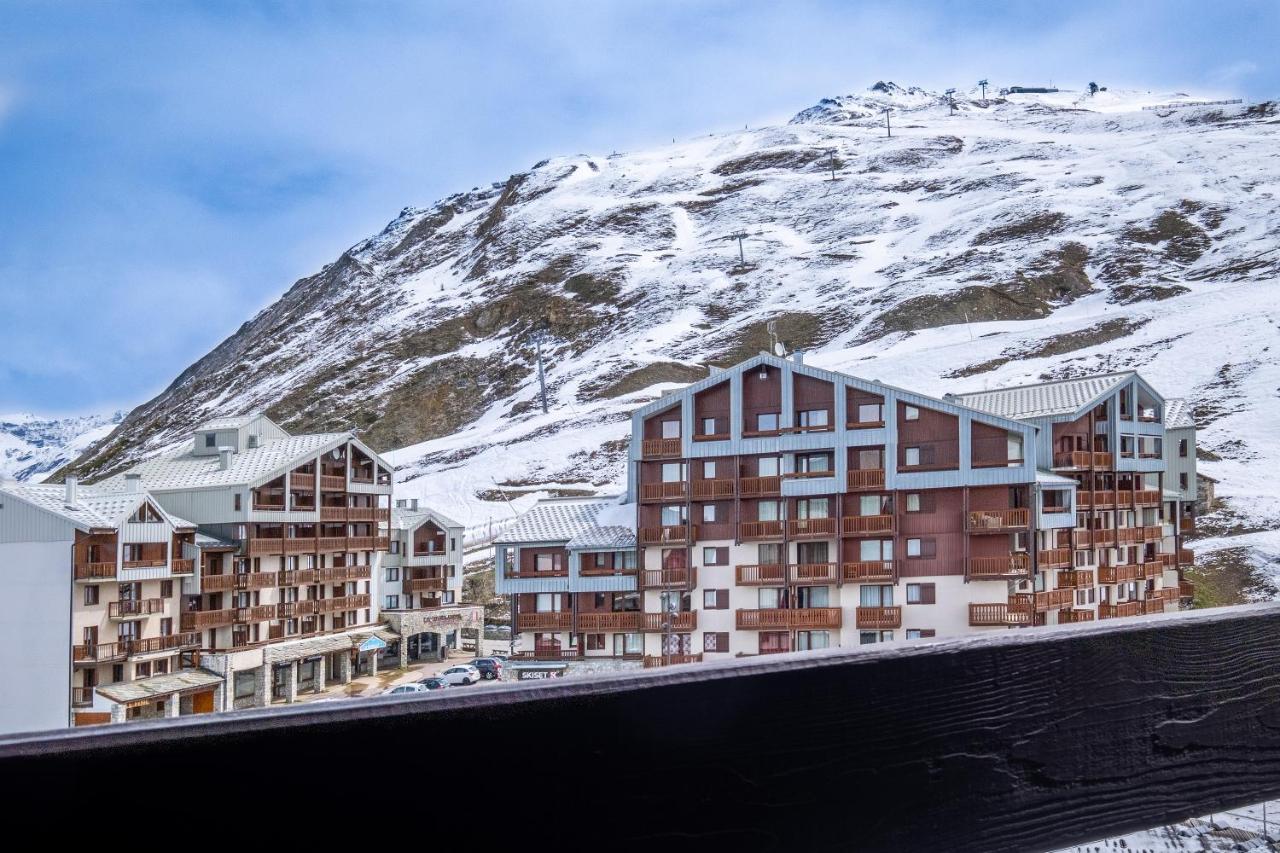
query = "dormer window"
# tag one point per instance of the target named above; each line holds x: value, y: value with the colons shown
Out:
x: 252, y: 442
x: 210, y: 439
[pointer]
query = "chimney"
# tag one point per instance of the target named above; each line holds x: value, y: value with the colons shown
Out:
x: 133, y: 482
x: 224, y: 457
x: 798, y: 356
x: 72, y: 483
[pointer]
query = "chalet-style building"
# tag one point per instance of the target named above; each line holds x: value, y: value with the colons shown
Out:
x: 775, y: 506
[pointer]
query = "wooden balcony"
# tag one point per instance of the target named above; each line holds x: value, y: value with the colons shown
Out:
x: 811, y: 528
x: 989, y: 615
x: 341, y: 603
x: 218, y: 583
x: 329, y: 544
x: 1013, y: 565
x: 674, y: 491
x: 562, y: 621
x: 1086, y: 499
x: 660, y: 448
x: 81, y: 697
x: 760, y: 486
x: 1151, y: 570
x: 685, y: 620
x: 302, y: 482
x: 143, y: 564
x: 1187, y: 524
x: 179, y: 566
x: 1186, y: 557
x: 992, y: 520
x: 360, y: 543
x: 99, y: 652
x: 651, y: 661
x: 341, y: 574
x: 865, y: 525
x: 95, y: 571
x: 1083, y: 459
x: 878, y: 571
x: 668, y: 578
x: 134, y: 609
x: 625, y: 621
x: 1119, y: 574
x: 1151, y: 605
x: 1054, y: 558
x: 1116, y: 611
x: 766, y: 575
x: 804, y: 618
x: 269, y: 547
x: 1186, y: 589
x: 760, y: 530
x: 333, y: 513
x: 333, y: 483
x: 426, y: 585
x: 815, y: 573
x: 1070, y: 616
x: 878, y: 618
x: 550, y: 653
x: 198, y: 620
x: 516, y: 573
x: 256, y: 613
x: 671, y: 534
x: 868, y: 478
x: 1052, y: 599
x: 1076, y: 578
x: 1147, y: 497
x: 713, y: 489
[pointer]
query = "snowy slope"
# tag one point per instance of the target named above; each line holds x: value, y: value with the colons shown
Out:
x: 32, y: 447
x: 1023, y: 237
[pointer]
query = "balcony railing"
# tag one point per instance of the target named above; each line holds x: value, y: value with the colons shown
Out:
x: 95, y: 571
x: 875, y: 571
x: 518, y: 573
x: 1147, y: 497
x: 1086, y: 499
x: 562, y: 621
x: 669, y: 534
x: 134, y: 609
x: 660, y: 448
x: 302, y: 482
x: 179, y: 566
x: 426, y: 585
x: 1013, y: 565
x: 998, y: 519
x: 710, y: 489
x: 652, y: 661
x: 122, y: 649
x: 333, y: 483
x: 1116, y: 611
x: 760, y: 575
x: 760, y: 529
x: 1070, y: 616
x: 81, y: 697
x: 197, y: 620
x: 1119, y: 574
x: 815, y: 573
x: 685, y: 620
x: 1054, y: 558
x: 866, y: 524
x: 801, y: 618
x: 673, y: 491
x: 878, y: 618
x: 760, y: 486
x: 865, y: 478
x: 668, y: 578
x: 1186, y: 589
x: 988, y: 615
x: 1075, y: 578
x: 1186, y: 557
x: 625, y: 621
x: 1082, y: 459
x: 811, y: 528
x: 218, y: 583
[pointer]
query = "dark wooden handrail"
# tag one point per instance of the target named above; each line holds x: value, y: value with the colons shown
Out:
x: 1009, y: 741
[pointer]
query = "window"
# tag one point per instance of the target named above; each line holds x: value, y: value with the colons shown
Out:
x: 911, y: 456
x: 117, y: 672
x: 812, y: 463
x: 395, y: 546
x: 715, y: 599
x: 715, y: 556
x: 166, y: 589
x: 708, y: 513
x: 708, y: 470
x: 806, y: 640
x: 812, y: 419
x: 1182, y: 482
x: 913, y: 547
x: 767, y: 422
x: 1182, y: 448
x: 595, y: 642
x: 210, y: 439
x: 870, y: 413
x: 708, y: 426
x: 244, y: 684
x: 547, y: 602
x: 628, y: 644
x: 812, y: 508
x: 546, y: 562
x: 142, y: 670
x: 672, y: 515
x: 713, y: 641
x: 922, y: 548
x: 166, y: 627
x: 769, y: 466
x: 767, y: 511
x: 910, y: 413
x: 392, y: 602
x: 670, y: 429
x: 813, y: 596
x: 873, y: 505
x: 921, y: 593
x: 767, y: 554
x: 921, y: 502
x: 162, y: 666
x: 393, y: 574
x: 770, y: 598
x: 920, y: 633
x: 236, y: 501
x: 875, y: 595
x: 875, y: 550
x: 90, y: 596
x: 870, y: 460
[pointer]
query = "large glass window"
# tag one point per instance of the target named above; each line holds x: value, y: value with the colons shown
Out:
x: 874, y: 550
x: 767, y: 421
x: 870, y: 413
x: 876, y: 595
x: 770, y: 466
x: 670, y: 429
x: 767, y: 511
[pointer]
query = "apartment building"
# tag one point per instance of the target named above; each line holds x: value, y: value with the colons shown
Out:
x: 97, y: 578
x: 421, y: 585
x: 776, y: 506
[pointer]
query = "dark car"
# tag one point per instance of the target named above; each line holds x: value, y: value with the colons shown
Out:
x: 434, y: 683
x: 490, y: 668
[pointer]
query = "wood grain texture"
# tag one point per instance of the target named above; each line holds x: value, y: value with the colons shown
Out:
x: 1023, y: 740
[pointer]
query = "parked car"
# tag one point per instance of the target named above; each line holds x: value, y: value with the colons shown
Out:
x: 435, y: 682
x: 490, y: 667
x: 461, y: 674
x: 400, y: 689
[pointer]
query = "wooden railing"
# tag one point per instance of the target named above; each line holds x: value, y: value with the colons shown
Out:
x: 760, y: 486
x: 652, y: 661
x: 1053, y: 599
x: 660, y: 448
x: 802, y: 618
x: 1147, y: 497
x: 999, y: 567
x: 139, y: 607
x: 667, y: 534
x: 197, y: 620
x: 426, y: 585
x: 1186, y: 589
x: 811, y: 527
x: 857, y: 524
x: 685, y: 620
x: 623, y: 621
x: 1208, y: 736
x: 998, y: 519
x: 1082, y: 459
x: 868, y: 572
x: 302, y: 482
x: 1054, y: 558
x: 713, y: 488
x: 95, y: 571
x: 544, y: 621
x: 1087, y: 499
x: 878, y: 618
x: 217, y: 583
x: 81, y: 696
x: 1119, y: 574
x: 517, y: 573
x: 181, y: 566
x: 668, y: 578
x: 333, y: 513
x: 1075, y: 578
x: 760, y: 529
x: 765, y: 575
x: 988, y: 615
x: 1116, y: 611
x: 815, y: 573
x: 676, y: 490
x: 1070, y: 616
x: 333, y: 483
x: 867, y: 478
x: 1186, y: 557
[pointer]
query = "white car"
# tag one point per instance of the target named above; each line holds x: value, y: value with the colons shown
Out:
x: 461, y: 674
x: 400, y: 689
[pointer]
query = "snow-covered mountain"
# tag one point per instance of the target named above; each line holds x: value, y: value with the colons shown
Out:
x: 1022, y: 237
x: 32, y: 447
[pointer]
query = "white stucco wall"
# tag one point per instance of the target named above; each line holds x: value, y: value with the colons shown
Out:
x: 35, y: 636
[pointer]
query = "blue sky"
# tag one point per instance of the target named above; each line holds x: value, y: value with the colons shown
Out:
x: 168, y: 169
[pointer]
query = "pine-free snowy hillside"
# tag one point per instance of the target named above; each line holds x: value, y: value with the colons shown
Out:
x: 1024, y: 237
x: 32, y: 448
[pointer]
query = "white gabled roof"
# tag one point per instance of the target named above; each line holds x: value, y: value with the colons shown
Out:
x: 407, y: 519
x: 1048, y: 478
x: 610, y: 538
x: 1177, y: 414
x: 185, y: 470
x: 1044, y: 399
x: 94, y: 508
x: 223, y: 424
x: 556, y: 520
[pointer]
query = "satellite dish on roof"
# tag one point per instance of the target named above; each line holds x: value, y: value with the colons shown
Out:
x: 335, y: 454
x: 778, y: 349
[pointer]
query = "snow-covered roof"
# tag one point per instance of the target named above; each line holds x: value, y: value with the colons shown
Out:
x: 611, y: 537
x: 556, y: 520
x: 186, y: 470
x: 407, y: 519
x: 95, y: 508
x: 238, y: 422
x: 1044, y: 399
x: 160, y: 685
x: 1177, y: 414
x: 1048, y: 478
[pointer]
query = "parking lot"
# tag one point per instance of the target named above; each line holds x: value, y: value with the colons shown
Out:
x: 376, y: 685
